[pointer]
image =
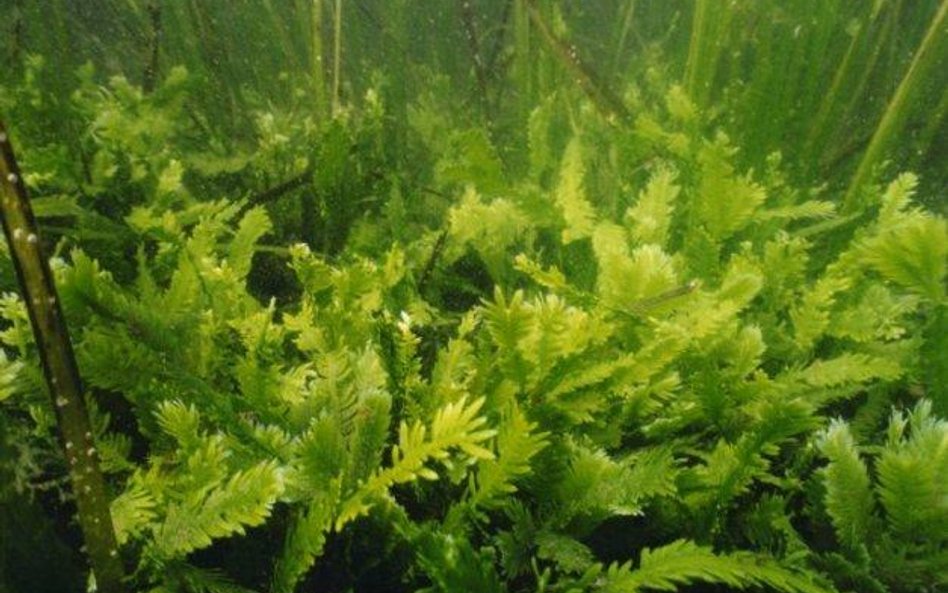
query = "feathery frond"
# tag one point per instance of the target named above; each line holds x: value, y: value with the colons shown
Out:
x: 577, y: 212
x: 849, y: 499
x: 682, y: 562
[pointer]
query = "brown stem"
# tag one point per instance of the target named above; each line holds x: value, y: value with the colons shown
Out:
x: 60, y: 370
x: 493, y: 56
x: 474, y: 44
x: 308, y: 218
x: 606, y: 101
x: 151, y: 70
x: 16, y: 35
x: 272, y: 193
x: 432, y: 260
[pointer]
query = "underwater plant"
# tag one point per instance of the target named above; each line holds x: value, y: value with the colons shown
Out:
x: 486, y: 296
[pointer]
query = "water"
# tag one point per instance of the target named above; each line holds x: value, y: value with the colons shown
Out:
x: 474, y: 295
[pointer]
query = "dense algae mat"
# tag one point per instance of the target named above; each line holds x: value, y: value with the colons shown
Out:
x: 488, y: 296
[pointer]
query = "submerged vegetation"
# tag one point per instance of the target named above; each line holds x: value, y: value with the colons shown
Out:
x: 487, y: 296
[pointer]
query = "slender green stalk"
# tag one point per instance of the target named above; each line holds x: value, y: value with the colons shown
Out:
x: 317, y: 71
x: 832, y: 151
x: 821, y: 44
x: 709, y: 34
x: 521, y: 70
x: 473, y: 41
x: 696, y: 48
x: 926, y: 57
x: 61, y: 372
x: 934, y: 121
x: 857, y: 91
x: 627, y: 17
x: 605, y: 100
x: 818, y: 124
x: 336, y: 55
x: 281, y: 31
x: 216, y: 59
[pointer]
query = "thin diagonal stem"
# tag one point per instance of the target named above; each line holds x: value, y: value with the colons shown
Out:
x: 60, y: 370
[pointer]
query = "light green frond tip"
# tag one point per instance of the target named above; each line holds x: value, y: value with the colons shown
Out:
x: 811, y: 313
x: 849, y: 499
x: 517, y: 444
x: 850, y: 368
x: 551, y: 277
x: 568, y: 554
x: 9, y: 371
x: 304, y: 542
x: 897, y: 197
x: 180, y: 421
x: 245, y: 500
x: 726, y: 201
x: 597, y: 486
x: 913, y: 255
x: 804, y: 210
x: 913, y: 476
x: 131, y: 512
x: 456, y: 426
x: 624, y: 277
x: 577, y: 212
x: 683, y: 562
x: 254, y: 225
x: 650, y: 217
x: 490, y: 227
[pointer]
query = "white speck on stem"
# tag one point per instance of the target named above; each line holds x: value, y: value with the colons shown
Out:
x: 3, y: 138
x: 17, y: 234
x: 62, y: 402
x: 90, y: 451
x: 12, y: 178
x: 32, y: 239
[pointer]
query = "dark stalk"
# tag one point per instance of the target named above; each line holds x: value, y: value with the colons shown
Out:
x: 317, y: 68
x: 61, y: 372
x: 474, y: 45
x: 829, y: 162
x: 275, y: 192
x: 493, y: 56
x: 16, y: 35
x: 432, y: 260
x: 605, y: 100
x: 151, y: 69
x: 375, y: 21
x: 216, y: 60
x: 308, y: 218
x: 336, y: 56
